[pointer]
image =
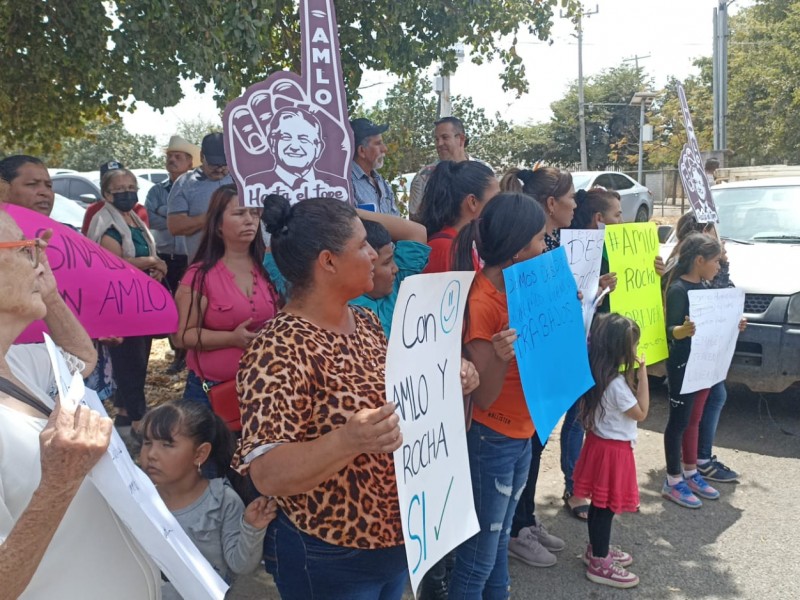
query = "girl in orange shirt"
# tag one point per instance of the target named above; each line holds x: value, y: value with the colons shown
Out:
x: 510, y: 230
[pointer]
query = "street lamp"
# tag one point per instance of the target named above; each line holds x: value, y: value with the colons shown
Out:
x: 642, y: 100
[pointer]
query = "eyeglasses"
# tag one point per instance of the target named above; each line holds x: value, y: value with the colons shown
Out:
x: 33, y: 248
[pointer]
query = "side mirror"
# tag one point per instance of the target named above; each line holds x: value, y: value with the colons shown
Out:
x: 664, y: 232
x: 88, y: 198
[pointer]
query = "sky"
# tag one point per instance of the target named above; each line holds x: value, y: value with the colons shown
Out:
x: 672, y: 34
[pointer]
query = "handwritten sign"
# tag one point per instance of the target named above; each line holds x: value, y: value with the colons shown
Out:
x: 632, y: 249
x: 551, y: 350
x: 290, y: 135
x: 716, y: 315
x: 584, y: 249
x: 692, y: 170
x: 108, y: 295
x: 423, y: 365
x: 134, y: 499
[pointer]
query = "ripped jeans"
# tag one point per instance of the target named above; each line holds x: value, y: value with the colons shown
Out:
x: 499, y: 467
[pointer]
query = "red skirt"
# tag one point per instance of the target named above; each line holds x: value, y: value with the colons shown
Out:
x: 606, y: 473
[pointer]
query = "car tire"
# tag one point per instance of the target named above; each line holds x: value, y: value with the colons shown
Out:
x: 642, y: 215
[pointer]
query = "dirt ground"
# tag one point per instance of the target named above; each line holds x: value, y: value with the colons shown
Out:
x: 161, y: 387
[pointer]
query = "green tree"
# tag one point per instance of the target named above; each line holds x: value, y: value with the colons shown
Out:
x: 612, y: 126
x: 194, y: 130
x: 764, y: 83
x: 67, y: 62
x: 669, y: 134
x: 101, y: 142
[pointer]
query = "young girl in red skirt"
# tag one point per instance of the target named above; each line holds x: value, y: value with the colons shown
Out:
x: 606, y: 470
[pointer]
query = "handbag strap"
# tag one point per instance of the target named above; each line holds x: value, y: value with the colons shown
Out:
x: 13, y: 390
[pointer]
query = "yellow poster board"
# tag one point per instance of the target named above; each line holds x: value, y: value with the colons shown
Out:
x: 632, y: 249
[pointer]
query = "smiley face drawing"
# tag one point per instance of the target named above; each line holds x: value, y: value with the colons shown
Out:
x: 448, y: 309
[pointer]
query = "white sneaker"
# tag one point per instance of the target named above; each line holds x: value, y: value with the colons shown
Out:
x: 546, y: 539
x: 527, y: 548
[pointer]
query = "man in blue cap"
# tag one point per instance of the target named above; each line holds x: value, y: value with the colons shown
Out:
x: 370, y: 190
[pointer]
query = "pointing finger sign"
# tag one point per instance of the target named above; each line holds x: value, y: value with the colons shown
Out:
x: 290, y: 135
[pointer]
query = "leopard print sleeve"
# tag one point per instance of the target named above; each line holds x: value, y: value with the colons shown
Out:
x: 275, y: 389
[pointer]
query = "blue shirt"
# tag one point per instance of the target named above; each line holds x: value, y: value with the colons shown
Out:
x: 410, y: 257
x: 190, y: 195
x: 366, y: 193
x: 156, y: 205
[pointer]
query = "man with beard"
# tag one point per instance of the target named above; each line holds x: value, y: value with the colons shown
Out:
x: 370, y: 190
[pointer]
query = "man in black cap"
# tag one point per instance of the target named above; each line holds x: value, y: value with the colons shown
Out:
x: 188, y: 200
x: 370, y: 190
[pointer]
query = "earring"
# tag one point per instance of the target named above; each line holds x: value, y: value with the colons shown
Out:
x: 199, y: 470
x: 515, y: 257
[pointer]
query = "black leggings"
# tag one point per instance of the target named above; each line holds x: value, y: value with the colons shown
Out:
x: 129, y: 363
x: 600, y: 520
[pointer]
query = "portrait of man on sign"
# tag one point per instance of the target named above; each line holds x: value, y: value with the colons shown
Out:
x: 290, y: 134
x: 294, y: 139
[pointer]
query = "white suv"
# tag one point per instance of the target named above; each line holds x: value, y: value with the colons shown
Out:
x: 760, y: 222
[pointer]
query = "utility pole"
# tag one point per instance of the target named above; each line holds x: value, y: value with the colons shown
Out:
x: 581, y: 111
x: 720, y: 74
x: 635, y: 59
x: 443, y: 85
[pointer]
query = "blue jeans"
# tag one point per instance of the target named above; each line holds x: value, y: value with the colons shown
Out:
x: 499, y: 467
x: 306, y: 568
x: 708, y: 424
x: 571, y: 443
x: 194, y: 389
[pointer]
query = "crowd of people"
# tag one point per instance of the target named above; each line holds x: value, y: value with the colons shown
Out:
x: 280, y: 448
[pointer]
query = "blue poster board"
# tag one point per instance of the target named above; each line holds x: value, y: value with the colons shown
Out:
x: 551, y: 351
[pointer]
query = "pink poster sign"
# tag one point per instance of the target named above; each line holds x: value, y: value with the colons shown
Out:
x: 110, y: 297
x: 290, y: 134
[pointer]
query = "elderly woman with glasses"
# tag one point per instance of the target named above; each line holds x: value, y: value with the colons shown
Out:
x: 118, y: 229
x: 49, y: 512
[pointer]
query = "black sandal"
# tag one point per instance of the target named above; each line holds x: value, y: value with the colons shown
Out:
x: 579, y: 512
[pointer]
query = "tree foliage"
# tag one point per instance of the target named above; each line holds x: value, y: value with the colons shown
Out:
x: 101, y: 142
x: 68, y: 62
x: 669, y: 134
x: 764, y: 83
x: 410, y: 109
x: 612, y: 126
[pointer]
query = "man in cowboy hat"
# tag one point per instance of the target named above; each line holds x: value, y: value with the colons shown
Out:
x: 181, y: 156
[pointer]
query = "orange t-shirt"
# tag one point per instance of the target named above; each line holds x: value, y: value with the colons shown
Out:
x: 488, y: 315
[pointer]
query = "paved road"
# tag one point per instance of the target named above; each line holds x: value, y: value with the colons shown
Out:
x: 741, y: 546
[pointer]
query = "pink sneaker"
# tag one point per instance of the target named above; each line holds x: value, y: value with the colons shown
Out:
x: 606, y: 572
x: 623, y: 559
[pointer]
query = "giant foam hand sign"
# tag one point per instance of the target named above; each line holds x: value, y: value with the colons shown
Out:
x: 692, y: 170
x: 109, y: 296
x: 290, y: 134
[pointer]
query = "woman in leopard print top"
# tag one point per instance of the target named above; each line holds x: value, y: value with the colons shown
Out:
x: 318, y: 434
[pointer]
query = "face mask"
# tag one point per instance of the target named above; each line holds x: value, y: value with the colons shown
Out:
x: 124, y: 201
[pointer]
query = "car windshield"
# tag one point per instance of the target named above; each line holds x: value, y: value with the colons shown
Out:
x: 759, y: 214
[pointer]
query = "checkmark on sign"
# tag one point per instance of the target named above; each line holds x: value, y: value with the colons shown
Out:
x: 437, y: 530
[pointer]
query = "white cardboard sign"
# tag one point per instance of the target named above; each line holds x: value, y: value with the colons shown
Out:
x: 423, y: 379
x: 585, y: 256
x: 134, y: 499
x: 716, y: 315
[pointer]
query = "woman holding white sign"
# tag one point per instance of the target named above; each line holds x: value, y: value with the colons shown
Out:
x: 511, y: 229
x: 54, y: 523
x: 318, y: 434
